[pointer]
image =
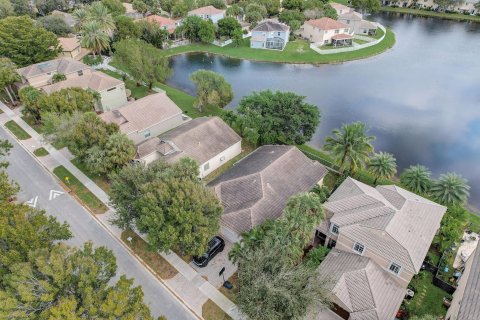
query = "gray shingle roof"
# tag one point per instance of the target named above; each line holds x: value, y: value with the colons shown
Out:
x: 470, y: 305
x: 63, y: 65
x: 94, y: 80
x: 361, y: 286
x: 258, y: 186
x: 270, y: 25
x: 389, y: 220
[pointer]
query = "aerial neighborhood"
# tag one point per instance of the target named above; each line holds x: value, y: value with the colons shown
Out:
x: 126, y: 194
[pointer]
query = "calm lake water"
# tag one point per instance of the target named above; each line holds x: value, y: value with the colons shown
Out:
x: 421, y: 99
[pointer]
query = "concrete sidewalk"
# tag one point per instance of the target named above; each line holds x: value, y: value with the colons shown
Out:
x: 188, y: 284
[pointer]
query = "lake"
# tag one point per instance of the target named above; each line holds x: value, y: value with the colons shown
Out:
x: 421, y: 99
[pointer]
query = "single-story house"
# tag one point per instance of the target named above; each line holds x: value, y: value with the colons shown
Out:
x: 340, y: 8
x: 70, y: 47
x: 207, y: 140
x: 130, y: 12
x: 361, y: 288
x: 111, y: 90
x: 357, y: 23
x: 326, y: 31
x: 465, y: 303
x: 146, y: 117
x: 67, y: 17
x: 165, y: 23
x: 40, y: 74
x: 257, y: 187
x: 208, y: 12
x: 387, y: 224
x: 270, y: 34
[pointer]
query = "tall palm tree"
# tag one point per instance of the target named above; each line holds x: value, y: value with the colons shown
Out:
x: 80, y: 16
x: 416, y: 179
x: 450, y: 189
x: 99, y: 13
x: 382, y: 165
x: 350, y: 146
x: 94, y: 38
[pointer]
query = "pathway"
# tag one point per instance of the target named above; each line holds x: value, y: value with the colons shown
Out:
x: 188, y: 285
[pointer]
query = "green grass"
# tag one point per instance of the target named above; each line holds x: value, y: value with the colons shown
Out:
x: 210, y: 311
x: 359, y: 41
x: 101, y: 181
x: 428, y: 298
x: 297, y: 51
x: 426, y: 13
x: 40, y: 152
x: 31, y: 122
x: 17, y: 130
x: 473, y: 222
x: 138, y: 91
x: 88, y: 198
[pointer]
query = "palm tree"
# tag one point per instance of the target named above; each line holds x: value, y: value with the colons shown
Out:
x: 416, y: 179
x: 8, y: 76
x: 80, y: 16
x: 350, y: 146
x: 99, y: 13
x: 94, y: 38
x: 382, y: 165
x: 450, y: 189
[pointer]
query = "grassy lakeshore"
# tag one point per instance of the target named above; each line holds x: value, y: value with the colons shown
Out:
x: 426, y: 13
x: 297, y: 51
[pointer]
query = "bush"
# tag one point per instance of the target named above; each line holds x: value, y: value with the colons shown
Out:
x: 316, y: 256
x: 91, y: 60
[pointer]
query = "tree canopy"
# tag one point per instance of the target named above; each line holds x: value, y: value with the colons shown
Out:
x: 228, y: 26
x: 6, y: 9
x: 26, y: 43
x: 212, y: 88
x: 370, y: 6
x: 126, y: 28
x: 382, y: 165
x: 55, y: 24
x: 196, y: 29
x: 450, y: 189
x: 8, y: 76
x: 416, y: 179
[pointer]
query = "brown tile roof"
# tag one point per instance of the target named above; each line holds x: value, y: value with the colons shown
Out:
x: 327, y: 24
x: 62, y: 65
x: 210, y: 10
x: 258, y: 186
x: 143, y: 113
x: 390, y: 221
x: 163, y: 22
x: 94, y: 80
x: 69, y: 44
x: 270, y: 25
x: 361, y: 287
x: 200, y: 139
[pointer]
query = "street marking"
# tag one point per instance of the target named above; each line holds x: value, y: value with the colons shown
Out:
x: 32, y: 202
x: 54, y: 194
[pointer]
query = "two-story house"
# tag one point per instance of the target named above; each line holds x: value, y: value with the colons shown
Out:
x: 270, y: 35
x: 326, y: 31
x: 208, y: 12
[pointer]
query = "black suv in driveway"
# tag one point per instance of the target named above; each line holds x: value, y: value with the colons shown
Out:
x: 215, y: 246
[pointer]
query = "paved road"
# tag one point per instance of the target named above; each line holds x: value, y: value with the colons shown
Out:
x: 35, y: 181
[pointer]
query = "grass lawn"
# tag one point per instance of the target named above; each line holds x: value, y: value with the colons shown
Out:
x: 473, y: 222
x: 138, y: 91
x: 297, y: 51
x: 88, y: 198
x: 17, y: 130
x: 428, y: 298
x: 40, y: 152
x: 153, y: 259
x: 31, y: 122
x: 426, y: 13
x: 359, y: 41
x: 101, y: 181
x: 231, y: 294
x: 210, y: 311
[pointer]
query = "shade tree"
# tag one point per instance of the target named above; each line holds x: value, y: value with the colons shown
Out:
x: 417, y: 179
x: 8, y: 76
x: 382, y: 165
x: 211, y: 89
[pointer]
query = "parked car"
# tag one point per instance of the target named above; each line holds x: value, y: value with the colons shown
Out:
x: 215, y: 246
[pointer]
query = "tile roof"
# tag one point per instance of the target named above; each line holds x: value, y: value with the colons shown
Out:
x: 258, y: 186
x: 143, y: 113
x: 361, y: 287
x: 368, y: 24
x: 210, y: 10
x: 270, y: 25
x: 339, y: 6
x: 389, y: 220
x: 62, y: 65
x: 351, y: 15
x: 200, y: 139
x: 342, y: 36
x: 470, y: 301
x: 326, y: 23
x: 94, y: 80
x: 69, y: 44
x: 163, y: 22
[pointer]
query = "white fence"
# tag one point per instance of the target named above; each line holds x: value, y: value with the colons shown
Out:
x: 354, y: 48
x: 219, y: 43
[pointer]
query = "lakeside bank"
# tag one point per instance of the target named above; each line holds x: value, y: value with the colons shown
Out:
x: 433, y: 14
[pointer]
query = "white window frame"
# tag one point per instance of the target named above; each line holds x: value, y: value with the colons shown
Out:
x: 206, y: 166
x: 356, y: 251
x: 332, y: 225
x: 147, y: 133
x: 397, y: 265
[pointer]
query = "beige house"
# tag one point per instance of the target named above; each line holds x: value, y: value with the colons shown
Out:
x: 207, y: 140
x: 146, y: 117
x: 257, y: 187
x: 357, y: 23
x: 388, y: 224
x: 325, y: 31
x: 70, y: 47
x: 208, y: 12
x: 465, y: 303
x: 340, y: 8
x: 111, y: 90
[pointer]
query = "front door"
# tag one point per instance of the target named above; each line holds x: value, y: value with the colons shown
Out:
x: 331, y: 243
x: 320, y: 238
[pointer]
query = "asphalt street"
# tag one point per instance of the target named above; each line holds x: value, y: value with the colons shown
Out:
x: 39, y: 188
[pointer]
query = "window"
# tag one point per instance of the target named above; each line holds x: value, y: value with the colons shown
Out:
x: 146, y: 133
x: 206, y: 166
x: 337, y: 31
x: 111, y: 89
x: 346, y: 30
x: 278, y: 34
x: 358, y: 248
x: 395, y: 268
x: 326, y: 41
x: 80, y: 72
x: 334, y: 228
x: 348, y: 21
